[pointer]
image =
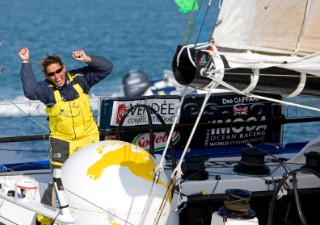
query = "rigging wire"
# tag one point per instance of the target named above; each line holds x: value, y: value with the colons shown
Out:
x: 205, y: 16
x: 230, y: 87
x: 189, y: 21
x: 160, y: 167
x: 19, y: 150
x: 194, y: 21
x: 177, y: 172
x: 36, y: 122
x: 169, y: 190
x: 97, y: 206
x: 26, y: 114
x: 30, y: 117
x: 148, y: 203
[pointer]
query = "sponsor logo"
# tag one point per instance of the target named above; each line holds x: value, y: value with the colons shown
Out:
x: 162, y: 109
x: 234, y: 135
x: 122, y: 109
x: 160, y: 140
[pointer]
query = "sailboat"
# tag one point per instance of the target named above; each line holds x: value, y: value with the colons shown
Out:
x: 198, y: 158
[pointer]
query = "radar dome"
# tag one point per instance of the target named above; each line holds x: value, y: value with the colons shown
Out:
x: 111, y: 182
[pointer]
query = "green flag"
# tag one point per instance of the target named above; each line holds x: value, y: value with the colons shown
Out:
x: 185, y: 6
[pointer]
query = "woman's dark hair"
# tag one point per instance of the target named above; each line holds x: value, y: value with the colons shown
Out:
x: 48, y: 60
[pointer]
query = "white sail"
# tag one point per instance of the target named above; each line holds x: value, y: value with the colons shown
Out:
x: 282, y: 26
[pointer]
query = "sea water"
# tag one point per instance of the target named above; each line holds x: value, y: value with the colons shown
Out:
x: 139, y: 34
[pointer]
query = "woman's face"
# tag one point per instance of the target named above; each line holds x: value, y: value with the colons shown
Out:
x: 56, y: 74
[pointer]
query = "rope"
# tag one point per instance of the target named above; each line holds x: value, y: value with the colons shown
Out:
x: 148, y: 203
x: 177, y: 171
x: 230, y: 87
x: 43, y: 127
x: 205, y: 15
x: 189, y: 20
x: 29, y: 117
x: 302, y: 30
x: 165, y: 198
x: 161, y: 164
x: 99, y: 207
x: 159, y: 169
x: 237, y: 203
x: 194, y: 21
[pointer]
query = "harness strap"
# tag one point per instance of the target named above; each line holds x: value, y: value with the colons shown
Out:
x: 73, y: 82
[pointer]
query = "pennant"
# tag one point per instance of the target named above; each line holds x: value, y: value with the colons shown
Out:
x: 186, y: 6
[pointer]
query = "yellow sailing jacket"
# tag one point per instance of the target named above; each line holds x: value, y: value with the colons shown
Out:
x: 71, y: 120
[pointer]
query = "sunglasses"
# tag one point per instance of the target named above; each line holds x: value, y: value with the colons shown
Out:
x: 56, y: 72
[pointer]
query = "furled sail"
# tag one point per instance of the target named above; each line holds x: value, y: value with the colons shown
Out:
x: 257, y: 46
